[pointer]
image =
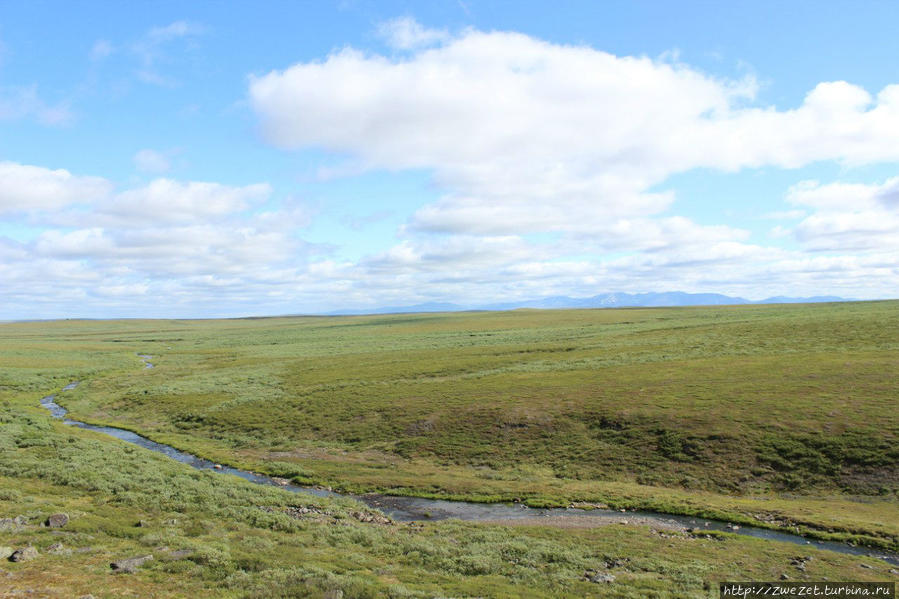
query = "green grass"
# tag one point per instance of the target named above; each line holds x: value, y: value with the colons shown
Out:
x: 237, y: 549
x: 784, y: 416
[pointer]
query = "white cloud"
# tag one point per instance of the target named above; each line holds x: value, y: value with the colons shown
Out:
x: 527, y: 135
x: 27, y: 189
x: 848, y: 216
x: 151, y: 161
x: 184, y: 238
x: 169, y: 201
x: 405, y: 33
x: 59, y: 198
x: 551, y: 160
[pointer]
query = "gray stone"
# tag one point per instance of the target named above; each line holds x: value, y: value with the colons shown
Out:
x: 57, y: 520
x: 181, y: 553
x: 129, y: 565
x: 57, y: 548
x: 5, y: 552
x: 24, y: 554
x: 9, y: 524
x: 602, y: 577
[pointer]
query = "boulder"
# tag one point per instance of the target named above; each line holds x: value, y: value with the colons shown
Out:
x: 24, y: 554
x: 5, y: 552
x: 57, y: 520
x: 12, y: 524
x: 598, y: 576
x: 129, y: 565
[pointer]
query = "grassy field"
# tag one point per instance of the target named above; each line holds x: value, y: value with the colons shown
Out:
x: 782, y: 416
x: 218, y: 536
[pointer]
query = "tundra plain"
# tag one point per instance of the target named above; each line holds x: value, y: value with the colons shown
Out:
x: 781, y: 416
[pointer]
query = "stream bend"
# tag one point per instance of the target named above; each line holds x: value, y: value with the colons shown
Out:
x: 407, y: 509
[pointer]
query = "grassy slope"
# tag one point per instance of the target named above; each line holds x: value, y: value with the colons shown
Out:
x: 783, y: 412
x: 239, y: 550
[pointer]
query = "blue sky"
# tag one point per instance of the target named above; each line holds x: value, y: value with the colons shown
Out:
x: 224, y: 159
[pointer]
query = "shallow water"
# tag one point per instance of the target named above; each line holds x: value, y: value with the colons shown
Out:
x: 418, y: 508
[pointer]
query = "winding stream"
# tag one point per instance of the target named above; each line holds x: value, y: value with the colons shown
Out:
x: 417, y: 508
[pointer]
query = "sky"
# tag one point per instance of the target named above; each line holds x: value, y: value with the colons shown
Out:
x: 214, y: 159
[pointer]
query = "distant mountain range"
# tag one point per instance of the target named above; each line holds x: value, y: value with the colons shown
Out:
x: 604, y: 300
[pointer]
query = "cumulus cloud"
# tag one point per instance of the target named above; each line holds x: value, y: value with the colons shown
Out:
x: 529, y: 135
x: 28, y: 189
x: 848, y: 216
x: 552, y: 161
x: 197, y: 241
x: 169, y: 201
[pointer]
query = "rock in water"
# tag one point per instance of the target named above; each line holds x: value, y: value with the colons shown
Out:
x: 23, y: 555
x: 57, y: 520
x: 129, y: 565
